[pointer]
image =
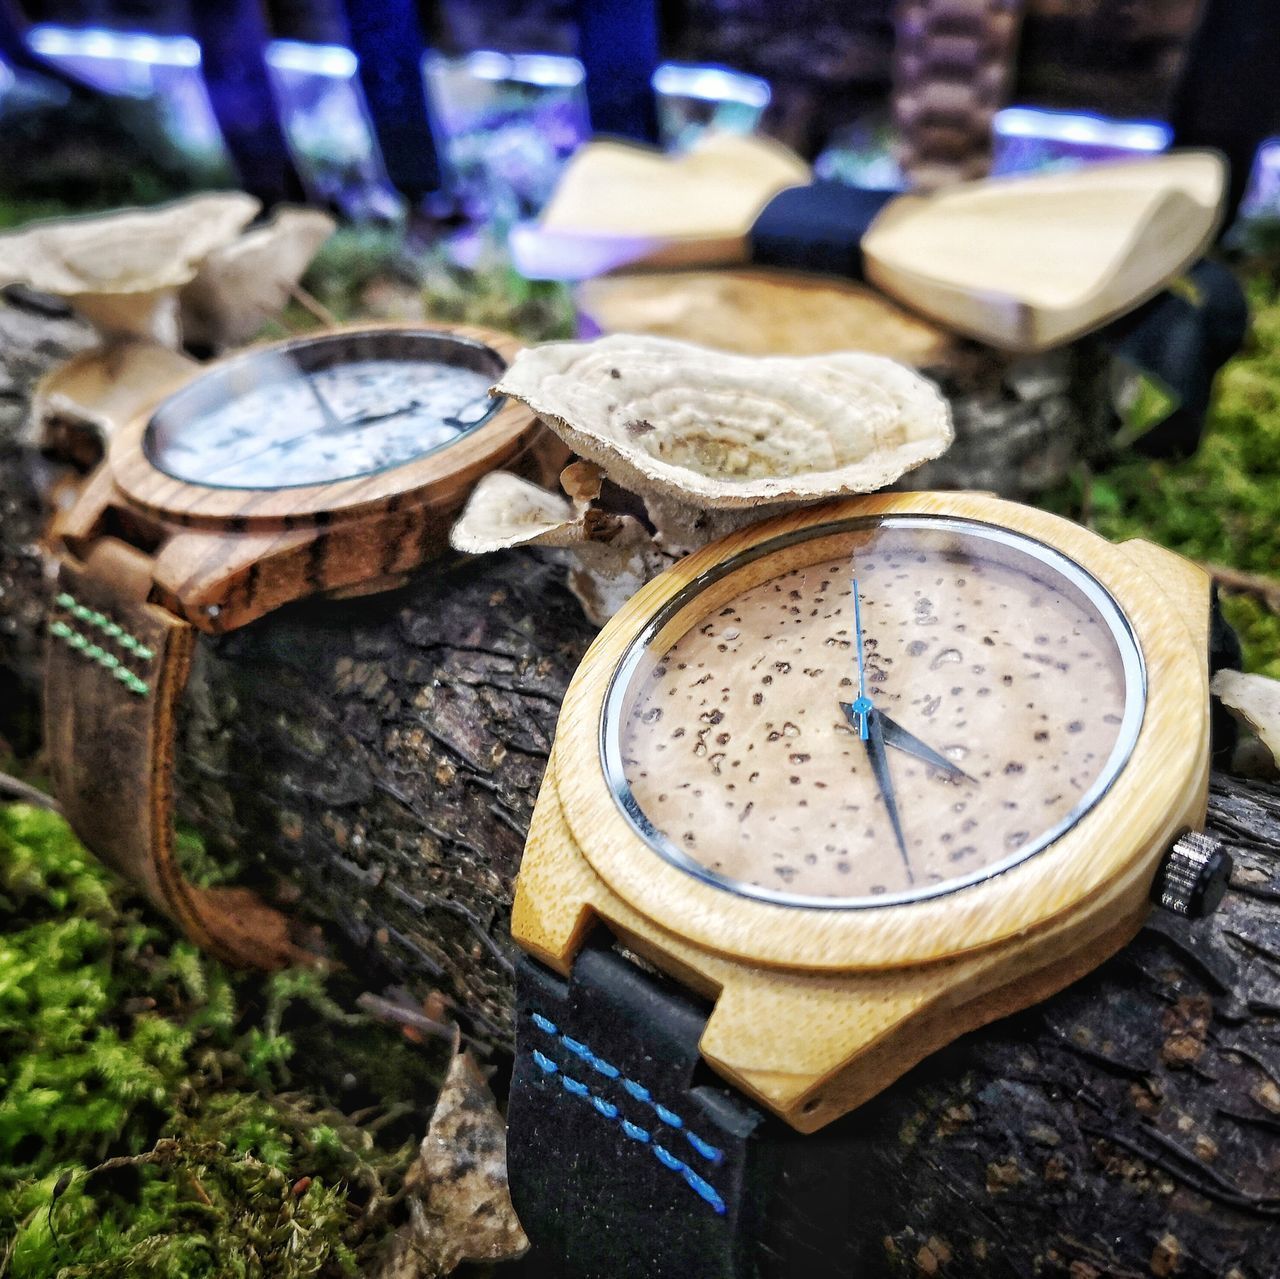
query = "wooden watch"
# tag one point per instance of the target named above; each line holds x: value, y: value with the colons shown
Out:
x: 329, y: 464
x: 824, y: 796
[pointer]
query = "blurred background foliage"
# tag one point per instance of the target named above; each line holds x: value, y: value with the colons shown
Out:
x: 1222, y: 504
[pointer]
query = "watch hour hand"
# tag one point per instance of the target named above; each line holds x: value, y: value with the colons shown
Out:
x: 898, y: 737
x: 879, y: 760
x: 461, y: 423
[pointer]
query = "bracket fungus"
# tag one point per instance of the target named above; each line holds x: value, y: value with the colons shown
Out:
x: 1254, y: 700
x: 711, y: 441
x: 122, y: 271
x: 707, y: 442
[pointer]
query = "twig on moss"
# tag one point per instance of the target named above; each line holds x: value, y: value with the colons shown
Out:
x: 1257, y: 585
x: 404, y: 1015
x: 13, y: 789
x: 313, y: 306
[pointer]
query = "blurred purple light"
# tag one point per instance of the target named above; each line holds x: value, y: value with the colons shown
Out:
x: 1027, y: 138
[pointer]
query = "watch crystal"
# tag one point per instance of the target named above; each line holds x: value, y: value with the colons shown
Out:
x: 323, y: 409
x: 1003, y: 692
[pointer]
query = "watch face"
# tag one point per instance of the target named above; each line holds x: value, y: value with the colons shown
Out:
x: 1002, y: 693
x: 324, y: 409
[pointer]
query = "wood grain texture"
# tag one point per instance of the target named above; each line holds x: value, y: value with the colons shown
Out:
x: 383, y: 755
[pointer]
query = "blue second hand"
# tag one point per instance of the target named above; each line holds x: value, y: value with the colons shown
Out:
x: 862, y: 707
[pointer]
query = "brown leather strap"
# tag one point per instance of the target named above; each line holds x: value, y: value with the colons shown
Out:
x: 115, y: 670
x: 953, y: 62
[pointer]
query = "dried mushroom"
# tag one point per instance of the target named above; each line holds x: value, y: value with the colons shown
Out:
x: 122, y: 271
x: 707, y: 439
x: 242, y: 285
x: 610, y: 556
x: 1255, y: 701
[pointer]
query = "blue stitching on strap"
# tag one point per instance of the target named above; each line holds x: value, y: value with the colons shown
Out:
x: 596, y: 1063
x: 703, y: 1148
x: 634, y: 1131
x: 696, y: 1183
x: 637, y: 1090
x: 699, y: 1185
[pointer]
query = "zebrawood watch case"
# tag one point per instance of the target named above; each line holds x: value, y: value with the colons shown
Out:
x: 224, y: 556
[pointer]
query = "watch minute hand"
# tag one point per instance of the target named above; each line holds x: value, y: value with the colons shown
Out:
x: 371, y: 419
x: 879, y: 759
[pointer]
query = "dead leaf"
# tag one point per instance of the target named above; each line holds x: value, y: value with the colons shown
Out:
x: 459, y: 1203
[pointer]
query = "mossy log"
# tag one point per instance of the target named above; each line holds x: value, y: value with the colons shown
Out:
x: 382, y: 756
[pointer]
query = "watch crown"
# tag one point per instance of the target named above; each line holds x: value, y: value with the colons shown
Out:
x: 1193, y: 876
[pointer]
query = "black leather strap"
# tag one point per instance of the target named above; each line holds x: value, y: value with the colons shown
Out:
x: 622, y: 1163
x: 817, y: 228
x: 630, y: 1159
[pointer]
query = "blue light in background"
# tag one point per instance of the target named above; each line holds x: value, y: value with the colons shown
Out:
x: 1083, y: 129
x: 542, y: 70
x: 114, y: 61
x: 511, y: 119
x: 137, y: 65
x: 711, y: 84
x: 693, y: 99
x: 314, y: 86
x: 334, y: 61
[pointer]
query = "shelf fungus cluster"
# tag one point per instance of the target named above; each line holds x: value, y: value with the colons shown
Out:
x: 148, y: 280
x: 156, y: 273
x: 704, y: 442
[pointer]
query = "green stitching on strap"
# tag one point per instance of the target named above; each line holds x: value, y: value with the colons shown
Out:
x: 80, y: 643
x: 106, y: 625
x: 131, y: 681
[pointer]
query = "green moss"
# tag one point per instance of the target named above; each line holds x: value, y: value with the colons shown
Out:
x: 489, y: 292
x: 162, y: 1116
x: 1221, y: 505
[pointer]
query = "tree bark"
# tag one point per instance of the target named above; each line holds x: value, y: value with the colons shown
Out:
x: 382, y: 756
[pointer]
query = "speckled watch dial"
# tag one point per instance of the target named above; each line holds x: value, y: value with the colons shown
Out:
x: 727, y: 747
x: 323, y: 410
